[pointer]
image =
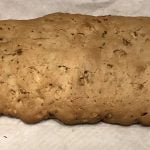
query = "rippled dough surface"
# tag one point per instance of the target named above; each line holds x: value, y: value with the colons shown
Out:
x: 76, y: 68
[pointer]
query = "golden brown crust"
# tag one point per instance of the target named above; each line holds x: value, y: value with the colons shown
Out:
x: 76, y: 68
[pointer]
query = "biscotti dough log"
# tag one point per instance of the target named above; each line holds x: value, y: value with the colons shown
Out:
x: 76, y: 68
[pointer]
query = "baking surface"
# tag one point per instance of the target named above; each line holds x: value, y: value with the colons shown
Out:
x: 50, y: 134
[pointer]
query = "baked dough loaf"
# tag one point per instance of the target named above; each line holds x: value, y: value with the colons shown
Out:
x: 76, y: 68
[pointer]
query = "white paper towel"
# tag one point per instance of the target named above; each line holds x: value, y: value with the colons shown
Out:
x: 52, y: 135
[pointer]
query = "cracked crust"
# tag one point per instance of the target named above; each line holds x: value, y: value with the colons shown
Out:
x: 76, y: 68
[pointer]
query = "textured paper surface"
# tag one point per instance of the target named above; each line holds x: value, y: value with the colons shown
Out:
x: 52, y: 135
